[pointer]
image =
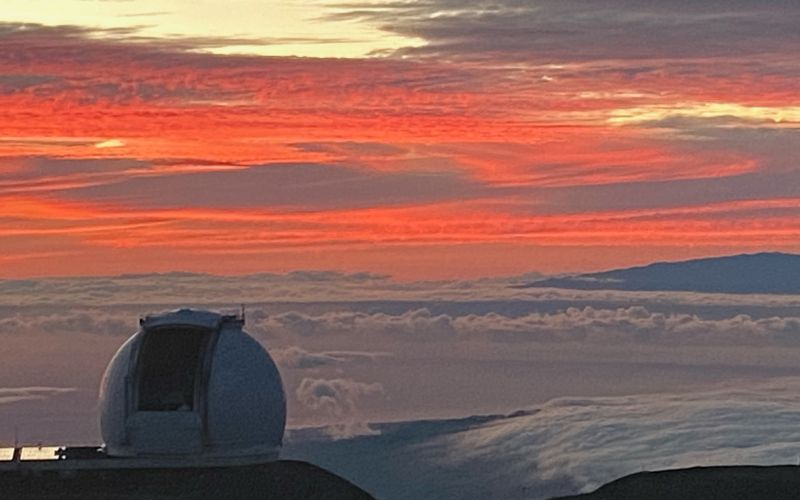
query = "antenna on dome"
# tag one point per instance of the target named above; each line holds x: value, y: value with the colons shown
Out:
x: 243, y: 314
x: 17, y: 454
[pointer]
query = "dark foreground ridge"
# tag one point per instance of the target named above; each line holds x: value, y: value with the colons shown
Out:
x: 284, y: 480
x: 757, y: 273
x: 703, y: 483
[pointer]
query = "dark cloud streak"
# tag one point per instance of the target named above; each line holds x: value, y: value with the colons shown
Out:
x: 309, y: 186
x: 582, y: 30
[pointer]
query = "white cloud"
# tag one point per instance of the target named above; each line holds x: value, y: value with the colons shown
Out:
x: 338, y: 398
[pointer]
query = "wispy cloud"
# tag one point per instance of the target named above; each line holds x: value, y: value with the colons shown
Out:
x: 299, y: 358
x: 9, y: 395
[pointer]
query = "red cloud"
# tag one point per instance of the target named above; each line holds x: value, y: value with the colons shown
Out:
x: 526, y: 136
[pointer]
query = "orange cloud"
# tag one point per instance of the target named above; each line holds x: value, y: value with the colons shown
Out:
x: 417, y: 153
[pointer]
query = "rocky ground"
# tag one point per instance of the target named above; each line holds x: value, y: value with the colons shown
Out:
x: 703, y: 483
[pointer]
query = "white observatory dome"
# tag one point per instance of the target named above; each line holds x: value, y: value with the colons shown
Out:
x: 192, y: 383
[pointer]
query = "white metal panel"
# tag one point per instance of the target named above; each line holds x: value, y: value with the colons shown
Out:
x: 165, y: 432
x: 246, y: 400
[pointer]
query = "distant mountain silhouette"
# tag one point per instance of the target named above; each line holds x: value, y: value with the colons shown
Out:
x: 777, y: 273
x: 703, y: 483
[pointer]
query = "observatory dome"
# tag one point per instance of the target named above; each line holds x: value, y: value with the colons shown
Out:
x: 192, y: 382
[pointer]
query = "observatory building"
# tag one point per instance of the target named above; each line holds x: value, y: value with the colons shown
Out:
x: 189, y: 389
x: 192, y: 383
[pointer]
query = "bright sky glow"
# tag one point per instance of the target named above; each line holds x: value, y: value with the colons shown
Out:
x: 789, y: 115
x: 284, y: 28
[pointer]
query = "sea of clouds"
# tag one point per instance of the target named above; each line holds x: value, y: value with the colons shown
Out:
x: 714, y: 377
x: 568, y: 445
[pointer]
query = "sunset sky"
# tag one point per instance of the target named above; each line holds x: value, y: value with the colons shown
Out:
x: 421, y: 139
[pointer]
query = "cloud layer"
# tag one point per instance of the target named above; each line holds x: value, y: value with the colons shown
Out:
x: 569, y: 444
x: 420, y: 342
x: 594, y: 440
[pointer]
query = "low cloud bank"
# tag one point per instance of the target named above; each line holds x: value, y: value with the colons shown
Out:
x: 181, y: 289
x: 569, y: 444
x: 594, y: 440
x: 96, y: 321
x: 636, y: 323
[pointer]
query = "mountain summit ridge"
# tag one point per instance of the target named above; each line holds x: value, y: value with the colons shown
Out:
x: 765, y: 272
